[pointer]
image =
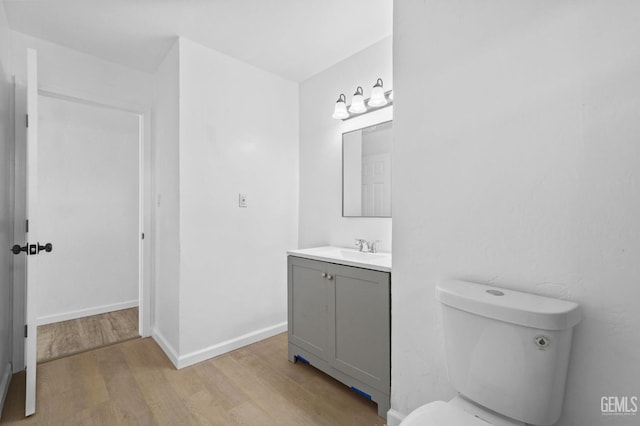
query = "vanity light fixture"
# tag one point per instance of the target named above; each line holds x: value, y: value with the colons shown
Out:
x: 340, y: 112
x: 379, y: 99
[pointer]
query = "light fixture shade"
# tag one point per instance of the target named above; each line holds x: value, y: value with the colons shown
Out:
x: 340, y: 111
x: 377, y: 95
x: 357, y: 104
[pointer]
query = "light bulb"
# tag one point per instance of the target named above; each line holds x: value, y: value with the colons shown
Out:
x: 340, y: 111
x: 377, y: 95
x: 357, y: 104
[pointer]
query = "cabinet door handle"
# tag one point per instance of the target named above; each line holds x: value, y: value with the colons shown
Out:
x: 324, y: 275
x: 329, y: 277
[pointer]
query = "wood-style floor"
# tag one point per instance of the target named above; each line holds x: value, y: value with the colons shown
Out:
x: 133, y: 383
x: 70, y: 337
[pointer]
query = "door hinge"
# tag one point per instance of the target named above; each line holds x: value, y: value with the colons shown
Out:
x: 26, y: 330
x: 142, y: 236
x: 26, y: 225
x: 26, y: 121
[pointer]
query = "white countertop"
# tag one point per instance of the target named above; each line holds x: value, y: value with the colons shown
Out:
x: 346, y: 256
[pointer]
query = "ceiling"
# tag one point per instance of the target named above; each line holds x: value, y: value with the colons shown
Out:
x: 292, y: 38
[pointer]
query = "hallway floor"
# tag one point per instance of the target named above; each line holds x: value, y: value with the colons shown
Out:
x: 134, y: 383
x: 66, y: 338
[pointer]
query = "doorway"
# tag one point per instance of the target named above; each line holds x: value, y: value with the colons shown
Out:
x: 143, y: 255
x: 89, y: 201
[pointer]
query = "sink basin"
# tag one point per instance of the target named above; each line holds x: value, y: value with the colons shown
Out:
x: 358, y: 255
x: 345, y: 256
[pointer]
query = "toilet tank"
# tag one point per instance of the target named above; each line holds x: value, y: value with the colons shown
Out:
x: 508, y: 350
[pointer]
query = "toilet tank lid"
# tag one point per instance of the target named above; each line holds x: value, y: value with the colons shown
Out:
x: 529, y: 310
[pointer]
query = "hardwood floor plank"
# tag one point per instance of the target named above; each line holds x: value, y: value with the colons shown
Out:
x: 249, y: 414
x: 13, y: 410
x: 122, y: 388
x: 281, y: 400
x: 102, y: 414
x: 274, y: 354
x: 307, y: 393
x: 148, y: 364
x: 74, y: 336
x: 66, y: 338
x: 225, y: 391
x: 124, y: 323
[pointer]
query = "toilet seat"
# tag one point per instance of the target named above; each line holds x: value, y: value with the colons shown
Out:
x: 440, y: 413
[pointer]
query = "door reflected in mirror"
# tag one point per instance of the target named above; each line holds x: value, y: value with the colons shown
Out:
x: 366, y: 171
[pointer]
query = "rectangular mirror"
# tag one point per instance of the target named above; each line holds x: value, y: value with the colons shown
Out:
x: 366, y: 171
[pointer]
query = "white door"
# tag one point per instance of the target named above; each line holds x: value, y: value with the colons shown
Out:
x: 32, y: 233
x: 376, y: 185
x: 27, y: 245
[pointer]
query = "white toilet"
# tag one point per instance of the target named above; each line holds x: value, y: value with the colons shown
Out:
x: 507, y: 357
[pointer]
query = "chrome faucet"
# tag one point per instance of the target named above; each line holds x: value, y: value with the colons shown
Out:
x: 366, y: 246
x: 362, y: 245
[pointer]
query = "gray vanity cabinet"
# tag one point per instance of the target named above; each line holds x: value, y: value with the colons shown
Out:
x: 339, y: 322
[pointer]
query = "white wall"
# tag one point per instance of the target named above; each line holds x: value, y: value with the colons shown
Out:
x: 321, y: 221
x: 88, y: 198
x: 223, y: 128
x: 166, y: 115
x: 6, y: 210
x: 238, y: 134
x: 517, y: 162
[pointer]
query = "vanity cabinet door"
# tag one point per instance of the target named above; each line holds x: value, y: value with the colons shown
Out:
x: 308, y: 305
x: 360, y: 325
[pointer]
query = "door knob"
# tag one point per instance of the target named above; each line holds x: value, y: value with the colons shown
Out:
x: 32, y: 249
x: 16, y: 249
x: 47, y: 247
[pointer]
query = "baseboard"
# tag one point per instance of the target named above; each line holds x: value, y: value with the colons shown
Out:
x: 4, y: 385
x: 229, y: 345
x: 87, y: 312
x: 166, y: 347
x: 394, y: 418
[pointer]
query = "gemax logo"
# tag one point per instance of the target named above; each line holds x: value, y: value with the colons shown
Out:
x: 619, y: 405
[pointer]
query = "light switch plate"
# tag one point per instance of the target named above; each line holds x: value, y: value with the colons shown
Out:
x: 242, y: 200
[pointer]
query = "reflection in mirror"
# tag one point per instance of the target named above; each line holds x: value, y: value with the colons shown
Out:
x: 366, y: 171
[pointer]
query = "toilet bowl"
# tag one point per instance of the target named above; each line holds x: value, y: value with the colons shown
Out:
x: 456, y: 412
x: 507, y: 357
